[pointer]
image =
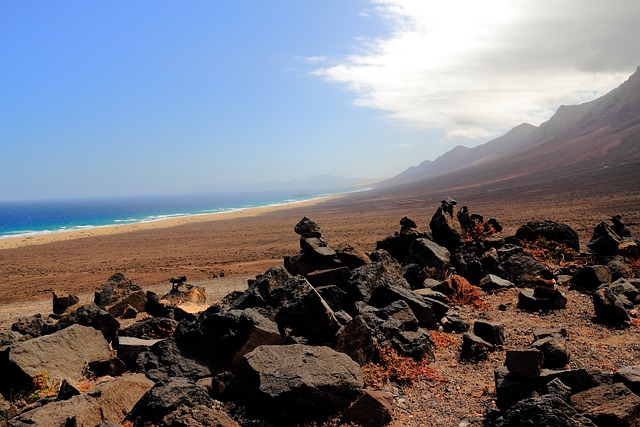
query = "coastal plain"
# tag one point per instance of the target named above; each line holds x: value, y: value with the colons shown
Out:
x: 252, y: 240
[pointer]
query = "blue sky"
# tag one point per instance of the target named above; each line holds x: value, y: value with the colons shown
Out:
x: 153, y: 97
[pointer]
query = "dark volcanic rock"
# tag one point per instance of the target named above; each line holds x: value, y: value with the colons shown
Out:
x: 307, y: 228
x: 445, y: 226
x: 609, y: 405
x: 166, y: 360
x: 605, y: 241
x: 165, y: 397
x: 91, y: 315
x: 522, y: 269
x: 491, y: 282
x: 549, y: 230
x: 468, y: 265
x: 372, y: 409
x: 541, y: 298
x: 525, y: 363
x: 489, y: 331
x: 151, y: 328
x: 591, y: 277
x: 609, y: 308
x: 548, y: 410
x: 34, y: 326
x: 62, y: 301
x: 351, y: 257
x: 297, y: 383
x: 475, y: 348
x: 630, y: 376
x: 554, y: 348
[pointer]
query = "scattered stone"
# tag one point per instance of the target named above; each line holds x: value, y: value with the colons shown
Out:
x: 453, y: 323
x: 489, y: 331
x: 475, y: 348
x: 491, y: 282
x: 62, y: 301
x: 445, y: 226
x: 609, y: 308
x: 541, y: 298
x: 33, y: 326
x: 609, y: 405
x: 297, y: 382
x: 547, y: 410
x: 554, y: 349
x: 605, y: 241
x: 539, y: 334
x: 591, y: 277
x: 372, y: 409
x: 629, y: 376
x: 525, y: 363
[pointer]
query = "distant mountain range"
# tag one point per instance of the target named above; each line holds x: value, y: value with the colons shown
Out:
x: 578, y: 140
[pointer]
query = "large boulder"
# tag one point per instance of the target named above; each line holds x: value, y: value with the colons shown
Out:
x: 549, y: 230
x: 165, y: 359
x: 522, y: 269
x: 91, y: 315
x: 296, y: 383
x: 609, y: 308
x: 364, y: 280
x: 118, y: 293
x: 604, y: 241
x: 307, y: 228
x: 609, y: 405
x: 108, y: 402
x: 429, y: 254
x: 541, y: 298
x: 548, y: 410
x: 629, y: 376
x: 62, y: 301
x: 590, y: 277
x: 62, y: 355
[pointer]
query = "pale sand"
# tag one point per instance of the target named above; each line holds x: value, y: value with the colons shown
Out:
x: 20, y: 241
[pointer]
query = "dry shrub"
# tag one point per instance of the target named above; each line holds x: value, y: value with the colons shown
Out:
x: 550, y: 252
x: 43, y: 386
x: 461, y: 292
x: 479, y: 230
x: 396, y: 368
x: 441, y: 340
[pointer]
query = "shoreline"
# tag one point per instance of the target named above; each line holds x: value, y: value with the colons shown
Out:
x: 106, y: 230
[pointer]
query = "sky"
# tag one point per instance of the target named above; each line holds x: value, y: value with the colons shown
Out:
x: 163, y: 97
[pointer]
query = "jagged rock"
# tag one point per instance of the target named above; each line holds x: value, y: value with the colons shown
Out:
x: 522, y: 269
x: 605, y: 241
x: 150, y: 329
x: 491, y: 282
x: 548, y: 410
x: 428, y: 312
x: 539, y: 334
x: 619, y: 267
x: 317, y: 248
x: 609, y: 405
x: 578, y: 379
x: 306, y: 263
x: 365, y: 279
x: 120, y: 291
x: 549, y: 230
x: 358, y: 340
x: 111, y: 366
x: 166, y: 360
x: 257, y: 295
x: 408, y: 222
x: 629, y: 376
x: 510, y: 388
x: 199, y: 415
x: 445, y: 226
x: 609, y: 308
x: 307, y: 228
x: 525, y: 363
x: 429, y: 254
x: 130, y: 313
x: 397, y: 245
x: 9, y: 337
x: 558, y: 388
x: 91, y: 315
x: 33, y: 326
x: 351, y: 257
x: 67, y: 391
x: 166, y: 397
x: 108, y: 402
x: 297, y: 383
x: 25, y: 360
x: 490, y: 260
x: 433, y: 295
x: 629, y: 248
x: 130, y: 347
x: 489, y: 331
x: 372, y: 409
x: 62, y: 301
x: 541, y: 298
x: 475, y: 348
x: 221, y: 336
x: 554, y: 349
x: 591, y: 277
x: 303, y: 312
x: 336, y: 276
x: 452, y: 323
x: 468, y: 265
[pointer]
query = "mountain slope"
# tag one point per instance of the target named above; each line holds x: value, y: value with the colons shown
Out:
x: 577, y: 139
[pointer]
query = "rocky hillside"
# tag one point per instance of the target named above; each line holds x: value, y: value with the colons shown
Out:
x: 578, y: 139
x: 337, y: 335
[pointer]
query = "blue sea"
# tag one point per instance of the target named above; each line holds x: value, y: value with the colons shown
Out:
x: 29, y: 218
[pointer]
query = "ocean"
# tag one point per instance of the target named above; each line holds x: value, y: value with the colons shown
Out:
x: 30, y: 218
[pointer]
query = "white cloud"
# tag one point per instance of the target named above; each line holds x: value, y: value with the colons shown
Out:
x: 404, y: 146
x: 476, y: 68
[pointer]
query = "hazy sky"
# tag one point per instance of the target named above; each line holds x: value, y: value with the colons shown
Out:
x: 148, y: 97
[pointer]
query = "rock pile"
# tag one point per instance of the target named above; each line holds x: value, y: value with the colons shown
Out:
x: 289, y: 349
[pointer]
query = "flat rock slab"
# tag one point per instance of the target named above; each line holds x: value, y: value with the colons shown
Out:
x: 107, y: 402
x: 62, y: 355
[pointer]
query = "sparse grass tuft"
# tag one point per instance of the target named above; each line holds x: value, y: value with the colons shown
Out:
x: 461, y: 292
x: 550, y: 252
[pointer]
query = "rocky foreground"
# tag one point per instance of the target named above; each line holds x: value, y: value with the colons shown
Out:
x: 322, y: 339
